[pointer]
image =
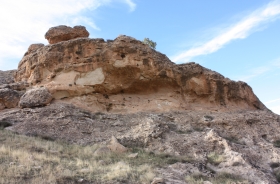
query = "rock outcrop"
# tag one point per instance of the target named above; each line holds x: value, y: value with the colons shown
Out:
x: 126, y: 75
x: 64, y: 33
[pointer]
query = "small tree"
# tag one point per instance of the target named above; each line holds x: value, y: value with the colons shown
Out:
x: 149, y: 42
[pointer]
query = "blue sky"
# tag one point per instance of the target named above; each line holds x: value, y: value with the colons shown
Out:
x: 239, y: 39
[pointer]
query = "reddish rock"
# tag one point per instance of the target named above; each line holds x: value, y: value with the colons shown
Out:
x: 64, y: 33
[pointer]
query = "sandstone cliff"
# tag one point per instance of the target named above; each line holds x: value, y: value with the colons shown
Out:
x: 126, y: 75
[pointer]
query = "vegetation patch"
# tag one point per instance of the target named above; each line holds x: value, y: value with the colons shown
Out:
x: 25, y: 159
x: 215, y: 158
x: 224, y: 178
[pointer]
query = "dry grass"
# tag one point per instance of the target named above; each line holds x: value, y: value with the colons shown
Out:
x: 221, y: 178
x: 31, y: 160
x: 215, y: 158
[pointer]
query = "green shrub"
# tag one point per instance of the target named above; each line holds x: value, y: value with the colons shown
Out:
x: 149, y: 42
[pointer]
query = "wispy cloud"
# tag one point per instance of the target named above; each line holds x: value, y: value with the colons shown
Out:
x: 131, y: 4
x: 271, y: 66
x: 255, y: 72
x: 272, y: 101
x: 25, y: 22
x: 239, y: 30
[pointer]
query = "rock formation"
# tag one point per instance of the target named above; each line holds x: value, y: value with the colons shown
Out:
x: 64, y: 33
x: 124, y: 90
x: 125, y: 74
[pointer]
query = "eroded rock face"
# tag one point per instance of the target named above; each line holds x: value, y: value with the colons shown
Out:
x: 64, y: 33
x: 126, y: 75
x: 35, y: 97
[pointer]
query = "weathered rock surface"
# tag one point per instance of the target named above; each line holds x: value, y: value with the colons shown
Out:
x: 127, y: 75
x: 64, y: 33
x: 9, y: 98
x: 7, y: 77
x: 34, y: 47
x: 18, y: 86
x: 244, y: 138
x: 35, y: 97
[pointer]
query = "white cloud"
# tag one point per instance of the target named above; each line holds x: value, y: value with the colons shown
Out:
x: 131, y: 4
x: 239, y: 30
x: 26, y: 22
x: 275, y: 109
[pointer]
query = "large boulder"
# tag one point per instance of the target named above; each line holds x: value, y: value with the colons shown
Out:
x: 9, y: 98
x: 35, y: 97
x: 64, y: 33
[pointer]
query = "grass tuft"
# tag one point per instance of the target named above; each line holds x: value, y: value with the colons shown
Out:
x: 215, y: 158
x: 224, y: 178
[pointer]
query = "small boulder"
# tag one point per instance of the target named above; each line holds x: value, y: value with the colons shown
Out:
x: 64, y: 33
x: 35, y: 97
x: 116, y: 147
x: 9, y: 98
